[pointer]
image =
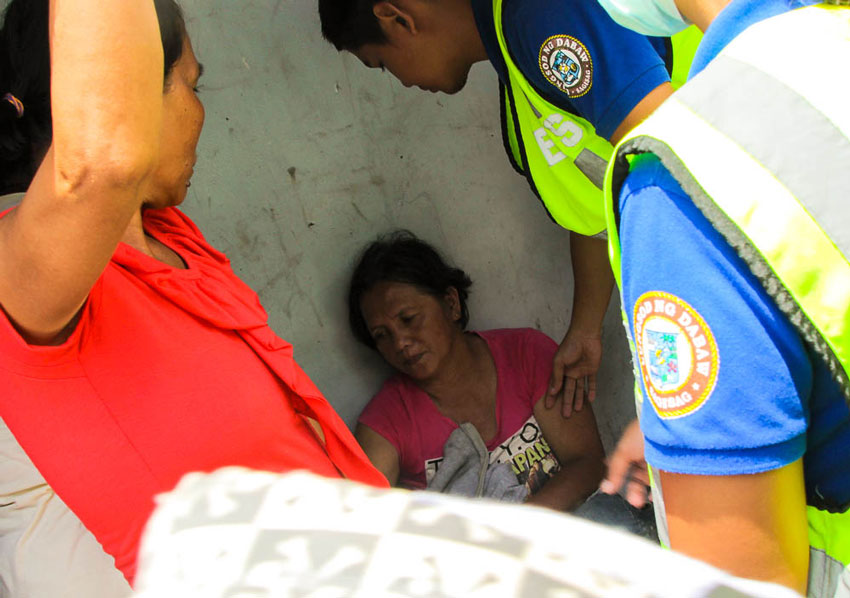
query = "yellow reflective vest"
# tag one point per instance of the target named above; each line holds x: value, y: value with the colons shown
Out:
x: 559, y: 152
x: 760, y: 142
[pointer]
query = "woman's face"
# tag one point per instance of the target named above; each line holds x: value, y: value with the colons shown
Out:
x: 182, y: 121
x: 413, y: 330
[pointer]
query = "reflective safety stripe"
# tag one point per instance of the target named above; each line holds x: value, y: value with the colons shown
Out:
x: 590, y: 164
x: 816, y: 172
x: 825, y: 573
x: 804, y: 70
x: 658, y: 505
x: 829, y: 552
x: 822, y: 533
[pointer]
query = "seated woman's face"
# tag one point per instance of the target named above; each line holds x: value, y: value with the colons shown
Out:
x: 182, y: 121
x: 413, y: 330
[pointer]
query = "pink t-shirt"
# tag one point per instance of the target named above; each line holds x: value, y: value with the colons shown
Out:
x: 406, y: 416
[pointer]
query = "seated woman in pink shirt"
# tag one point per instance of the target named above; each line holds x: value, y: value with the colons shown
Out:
x: 410, y: 306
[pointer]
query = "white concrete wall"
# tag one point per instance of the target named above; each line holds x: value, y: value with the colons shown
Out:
x: 307, y: 156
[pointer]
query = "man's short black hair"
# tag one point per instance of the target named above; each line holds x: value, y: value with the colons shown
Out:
x: 350, y: 24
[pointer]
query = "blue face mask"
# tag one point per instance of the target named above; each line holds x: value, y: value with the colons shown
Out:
x: 658, y: 18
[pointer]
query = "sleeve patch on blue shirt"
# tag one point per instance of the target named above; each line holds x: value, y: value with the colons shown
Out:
x: 678, y: 355
x: 566, y: 64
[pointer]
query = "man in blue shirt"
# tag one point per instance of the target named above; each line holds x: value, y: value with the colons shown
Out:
x: 741, y: 417
x: 613, y: 78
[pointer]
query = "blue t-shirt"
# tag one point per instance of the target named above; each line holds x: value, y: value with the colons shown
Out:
x: 737, y: 16
x: 624, y: 66
x: 729, y: 385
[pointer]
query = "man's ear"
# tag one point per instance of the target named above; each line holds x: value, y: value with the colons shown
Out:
x: 393, y: 18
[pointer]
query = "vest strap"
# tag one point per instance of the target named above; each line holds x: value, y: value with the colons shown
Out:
x: 808, y: 187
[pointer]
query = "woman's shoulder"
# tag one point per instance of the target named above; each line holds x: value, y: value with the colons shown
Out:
x: 171, y: 220
x: 509, y: 336
x: 393, y: 406
x: 513, y: 346
x: 396, y: 388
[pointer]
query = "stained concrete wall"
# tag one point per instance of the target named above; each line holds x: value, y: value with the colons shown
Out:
x: 307, y: 155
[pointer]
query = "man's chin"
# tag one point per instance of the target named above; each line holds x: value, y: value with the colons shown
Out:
x: 457, y: 87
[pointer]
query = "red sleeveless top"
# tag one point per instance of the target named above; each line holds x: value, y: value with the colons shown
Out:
x: 168, y: 371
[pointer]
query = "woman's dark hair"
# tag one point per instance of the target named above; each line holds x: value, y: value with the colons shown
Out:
x: 402, y: 257
x: 349, y: 24
x: 25, y: 73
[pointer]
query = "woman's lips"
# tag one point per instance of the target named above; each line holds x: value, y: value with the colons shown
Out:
x: 411, y: 361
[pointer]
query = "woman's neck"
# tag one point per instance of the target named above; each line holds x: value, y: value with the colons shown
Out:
x: 136, y: 237
x: 465, y: 372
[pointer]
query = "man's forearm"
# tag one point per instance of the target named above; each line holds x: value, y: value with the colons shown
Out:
x: 593, y: 281
x: 571, y: 486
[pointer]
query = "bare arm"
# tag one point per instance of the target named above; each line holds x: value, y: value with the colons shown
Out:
x: 381, y: 453
x: 107, y: 63
x: 750, y: 525
x: 575, y: 441
x: 580, y: 352
x: 627, y: 467
x: 644, y: 108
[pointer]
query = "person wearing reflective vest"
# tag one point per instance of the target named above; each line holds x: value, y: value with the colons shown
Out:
x: 571, y: 80
x: 728, y: 235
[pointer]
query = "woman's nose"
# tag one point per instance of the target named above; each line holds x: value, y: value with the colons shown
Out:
x: 401, y: 341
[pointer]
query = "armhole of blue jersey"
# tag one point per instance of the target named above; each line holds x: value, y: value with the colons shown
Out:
x: 506, y: 137
x: 621, y: 166
x: 524, y: 168
x: 668, y: 56
x: 521, y: 145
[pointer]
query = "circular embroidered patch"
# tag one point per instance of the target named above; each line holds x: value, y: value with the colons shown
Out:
x: 677, y: 352
x: 567, y: 65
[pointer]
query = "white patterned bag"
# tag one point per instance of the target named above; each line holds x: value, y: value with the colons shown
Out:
x: 243, y: 534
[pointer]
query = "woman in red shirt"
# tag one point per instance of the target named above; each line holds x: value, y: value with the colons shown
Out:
x: 130, y: 353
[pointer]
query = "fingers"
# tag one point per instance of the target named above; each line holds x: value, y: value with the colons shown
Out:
x: 568, y: 396
x: 556, y: 382
x: 591, y: 387
x: 627, y: 468
x: 618, y: 469
x: 638, y: 496
x: 634, y: 483
x: 620, y: 463
x: 578, y: 400
x: 637, y: 486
